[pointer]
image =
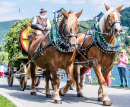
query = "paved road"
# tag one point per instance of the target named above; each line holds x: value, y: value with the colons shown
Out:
x: 119, y: 97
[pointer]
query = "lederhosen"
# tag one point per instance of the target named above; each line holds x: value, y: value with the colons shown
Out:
x: 42, y: 22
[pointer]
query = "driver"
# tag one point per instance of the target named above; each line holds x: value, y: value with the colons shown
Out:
x: 41, y: 23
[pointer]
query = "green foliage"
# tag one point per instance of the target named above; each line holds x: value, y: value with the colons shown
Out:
x: 13, y: 46
x: 3, y: 57
x: 87, y: 24
x: 125, y: 19
x: 4, y: 102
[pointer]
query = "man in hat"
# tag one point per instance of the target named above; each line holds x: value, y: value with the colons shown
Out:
x: 41, y: 23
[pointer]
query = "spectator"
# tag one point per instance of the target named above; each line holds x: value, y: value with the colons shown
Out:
x: 88, y: 74
x: 107, y: 79
x: 2, y: 70
x: 129, y: 71
x: 122, y: 62
x: 5, y: 70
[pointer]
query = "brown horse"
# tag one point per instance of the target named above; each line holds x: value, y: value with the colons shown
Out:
x: 109, y: 24
x: 52, y: 59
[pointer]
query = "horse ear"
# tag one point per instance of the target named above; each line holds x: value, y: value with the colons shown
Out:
x: 119, y: 8
x: 78, y: 14
x: 66, y: 15
x: 107, y: 8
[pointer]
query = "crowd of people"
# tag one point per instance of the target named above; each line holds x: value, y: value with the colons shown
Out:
x: 3, y: 69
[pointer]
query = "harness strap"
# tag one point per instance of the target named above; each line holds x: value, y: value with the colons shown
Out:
x: 38, y: 53
x: 38, y: 47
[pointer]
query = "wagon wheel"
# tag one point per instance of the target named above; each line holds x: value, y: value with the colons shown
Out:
x: 10, y: 76
x: 37, y: 81
x: 22, y: 84
x: 22, y: 80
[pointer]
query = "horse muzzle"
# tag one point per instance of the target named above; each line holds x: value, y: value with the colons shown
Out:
x: 117, y: 32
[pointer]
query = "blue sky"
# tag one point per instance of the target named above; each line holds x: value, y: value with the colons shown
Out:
x: 9, y: 9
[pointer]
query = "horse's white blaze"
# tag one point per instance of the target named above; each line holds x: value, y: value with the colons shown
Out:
x: 117, y: 25
x: 116, y: 15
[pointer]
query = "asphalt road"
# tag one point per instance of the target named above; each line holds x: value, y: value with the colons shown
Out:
x: 119, y: 97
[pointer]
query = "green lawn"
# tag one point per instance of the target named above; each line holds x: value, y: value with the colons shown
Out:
x: 4, y: 102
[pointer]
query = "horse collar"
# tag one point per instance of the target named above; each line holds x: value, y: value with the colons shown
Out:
x: 60, y: 42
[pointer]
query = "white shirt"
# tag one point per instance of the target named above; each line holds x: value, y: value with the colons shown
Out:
x: 5, y: 69
x: 48, y: 22
x: 2, y: 68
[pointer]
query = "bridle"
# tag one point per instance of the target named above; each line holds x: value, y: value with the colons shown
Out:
x: 66, y: 36
x: 111, y: 26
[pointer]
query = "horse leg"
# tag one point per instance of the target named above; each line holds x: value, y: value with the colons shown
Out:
x: 32, y: 69
x: 102, y: 95
x: 55, y: 80
x: 100, y: 92
x: 106, y: 99
x: 65, y: 89
x: 47, y: 78
x: 76, y: 76
x: 82, y: 72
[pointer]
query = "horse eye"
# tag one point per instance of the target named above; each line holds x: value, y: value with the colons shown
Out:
x: 109, y: 16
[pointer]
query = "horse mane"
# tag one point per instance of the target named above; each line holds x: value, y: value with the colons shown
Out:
x: 70, y: 12
x: 104, y: 18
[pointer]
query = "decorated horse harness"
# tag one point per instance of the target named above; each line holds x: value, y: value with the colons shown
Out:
x: 99, y: 41
x: 57, y: 38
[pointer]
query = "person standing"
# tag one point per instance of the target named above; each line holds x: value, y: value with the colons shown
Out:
x: 41, y: 23
x: 2, y: 68
x: 108, y: 81
x: 88, y: 74
x: 122, y: 62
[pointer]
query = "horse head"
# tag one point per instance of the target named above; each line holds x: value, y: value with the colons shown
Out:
x: 69, y: 25
x: 112, y: 21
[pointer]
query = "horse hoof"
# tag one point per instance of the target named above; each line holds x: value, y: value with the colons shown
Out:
x: 48, y: 96
x: 107, y: 103
x: 79, y: 95
x: 100, y: 99
x: 33, y: 93
x: 60, y: 93
x: 58, y: 101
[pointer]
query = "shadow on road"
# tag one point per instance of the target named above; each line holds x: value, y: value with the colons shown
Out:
x: 70, y: 97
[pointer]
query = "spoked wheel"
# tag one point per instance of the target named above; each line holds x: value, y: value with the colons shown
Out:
x: 10, y: 76
x: 22, y: 80
x: 22, y: 84
x: 37, y: 81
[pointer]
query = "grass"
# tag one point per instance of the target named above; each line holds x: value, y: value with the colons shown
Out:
x: 4, y: 102
x: 114, y: 86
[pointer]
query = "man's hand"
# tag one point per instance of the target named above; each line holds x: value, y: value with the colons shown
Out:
x: 40, y: 27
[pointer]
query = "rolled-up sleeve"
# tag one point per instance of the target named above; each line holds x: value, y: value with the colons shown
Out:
x: 48, y: 23
x: 34, y: 21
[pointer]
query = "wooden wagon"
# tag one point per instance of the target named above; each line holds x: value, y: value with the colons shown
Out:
x: 21, y: 71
